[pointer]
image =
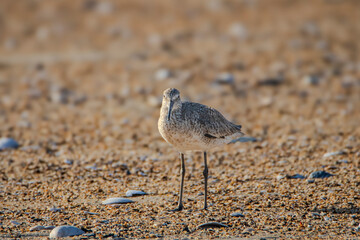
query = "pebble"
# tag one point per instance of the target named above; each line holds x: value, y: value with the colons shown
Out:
x: 311, y: 80
x: 37, y: 228
x: 133, y: 193
x: 8, y: 143
x: 296, y: 176
x: 15, y: 222
x: 266, y: 101
x: 10, y: 43
x: 320, y: 174
x: 212, y: 225
x: 116, y: 200
x: 248, y: 230
x: 271, y: 81
x: 342, y: 161
x: 91, y: 213
x: 155, y: 40
x: 237, y: 214
x: 330, y: 154
x: 315, y: 215
x: 69, y: 161
x: 54, y: 209
x: 60, y: 95
x: 163, y: 74
x: 311, y: 29
x: 357, y: 229
x: 280, y: 176
x: 65, y: 231
x: 225, y: 78
x: 238, y: 30
x: 154, y: 101
x: 310, y: 181
x: 92, y: 235
x: 104, y: 8
x: 23, y: 124
x: 31, y: 148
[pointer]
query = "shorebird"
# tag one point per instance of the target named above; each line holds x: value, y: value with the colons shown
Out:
x: 190, y: 126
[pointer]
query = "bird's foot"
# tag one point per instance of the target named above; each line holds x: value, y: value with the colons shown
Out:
x: 179, y: 208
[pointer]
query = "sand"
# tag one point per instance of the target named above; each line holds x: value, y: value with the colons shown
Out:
x: 80, y: 90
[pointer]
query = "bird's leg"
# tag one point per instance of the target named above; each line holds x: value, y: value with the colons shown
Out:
x: 205, y: 172
x: 182, y: 171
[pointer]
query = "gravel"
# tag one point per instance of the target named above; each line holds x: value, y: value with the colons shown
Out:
x: 80, y: 91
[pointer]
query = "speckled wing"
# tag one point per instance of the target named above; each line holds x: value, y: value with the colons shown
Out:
x: 210, y: 122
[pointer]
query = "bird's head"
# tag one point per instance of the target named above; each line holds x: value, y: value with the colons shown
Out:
x: 171, y: 99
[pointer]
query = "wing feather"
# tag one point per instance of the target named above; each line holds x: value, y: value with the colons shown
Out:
x: 209, y: 121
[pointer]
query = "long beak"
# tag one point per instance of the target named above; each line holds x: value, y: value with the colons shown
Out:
x: 170, y: 108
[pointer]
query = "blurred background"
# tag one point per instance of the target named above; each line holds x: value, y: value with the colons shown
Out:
x: 103, y: 64
x: 91, y: 73
x: 81, y: 85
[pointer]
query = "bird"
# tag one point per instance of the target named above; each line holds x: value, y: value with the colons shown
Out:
x: 190, y: 126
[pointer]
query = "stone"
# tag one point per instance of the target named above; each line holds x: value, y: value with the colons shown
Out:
x: 320, y: 174
x: 330, y: 154
x: 237, y: 214
x: 310, y: 28
x: 225, y: 78
x: 91, y: 213
x: 271, y: 81
x: 239, y: 31
x: 280, y: 176
x: 248, y: 230
x: 311, y: 80
x: 154, y: 101
x: 8, y: 143
x: 357, y: 229
x: 116, y: 200
x: 133, y: 193
x: 15, y: 222
x: 65, y: 231
x: 163, y: 74
x: 296, y: 176
x: 60, y: 95
x: 37, y: 228
x: 69, y: 161
x: 54, y: 209
x: 212, y: 225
